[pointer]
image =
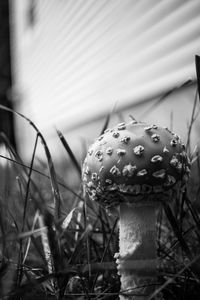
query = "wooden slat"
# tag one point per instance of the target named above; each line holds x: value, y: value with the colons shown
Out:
x: 87, y: 54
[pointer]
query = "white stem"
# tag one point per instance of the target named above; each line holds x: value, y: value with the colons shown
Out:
x: 137, y: 259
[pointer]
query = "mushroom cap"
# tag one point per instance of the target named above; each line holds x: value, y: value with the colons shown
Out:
x: 133, y: 160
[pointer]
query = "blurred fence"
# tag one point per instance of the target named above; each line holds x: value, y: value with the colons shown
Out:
x: 73, y: 60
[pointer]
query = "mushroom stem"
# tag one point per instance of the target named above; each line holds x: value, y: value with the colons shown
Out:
x: 137, y: 260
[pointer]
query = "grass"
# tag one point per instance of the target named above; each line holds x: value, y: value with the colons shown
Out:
x: 57, y: 244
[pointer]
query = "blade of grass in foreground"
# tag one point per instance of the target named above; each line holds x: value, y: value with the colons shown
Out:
x: 173, y: 278
x: 69, y: 151
x: 28, y: 287
x: 28, y: 243
x: 45, y: 243
x: 197, y: 63
x: 20, y: 254
x: 165, y: 96
x: 79, y: 245
x: 28, y: 182
x: 42, y: 174
x: 105, y: 125
x: 176, y: 229
x: 18, y: 161
x: 55, y: 188
x: 191, y: 123
x: 105, y: 251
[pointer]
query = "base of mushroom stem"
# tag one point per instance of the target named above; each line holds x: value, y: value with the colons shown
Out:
x: 138, y: 278
x: 138, y: 288
x: 137, y: 258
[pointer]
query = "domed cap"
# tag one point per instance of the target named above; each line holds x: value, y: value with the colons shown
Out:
x: 134, y: 160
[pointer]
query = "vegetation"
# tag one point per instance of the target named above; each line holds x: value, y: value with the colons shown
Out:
x: 57, y: 244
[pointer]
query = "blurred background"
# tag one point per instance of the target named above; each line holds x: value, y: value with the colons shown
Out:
x: 66, y: 64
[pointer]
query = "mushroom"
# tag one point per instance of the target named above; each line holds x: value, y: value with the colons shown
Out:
x: 135, y: 167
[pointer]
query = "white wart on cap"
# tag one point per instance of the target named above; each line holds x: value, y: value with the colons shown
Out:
x: 132, y: 160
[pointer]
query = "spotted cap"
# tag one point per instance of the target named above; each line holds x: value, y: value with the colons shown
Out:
x: 133, y: 160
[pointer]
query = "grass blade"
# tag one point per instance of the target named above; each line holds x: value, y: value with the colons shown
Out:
x: 176, y: 229
x: 105, y: 126
x: 42, y: 174
x: 166, y: 95
x: 105, y: 251
x: 197, y: 64
x: 173, y: 278
x: 69, y: 151
x: 191, y: 122
x: 28, y: 183
x: 29, y: 239
x: 55, y: 189
x: 45, y: 243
